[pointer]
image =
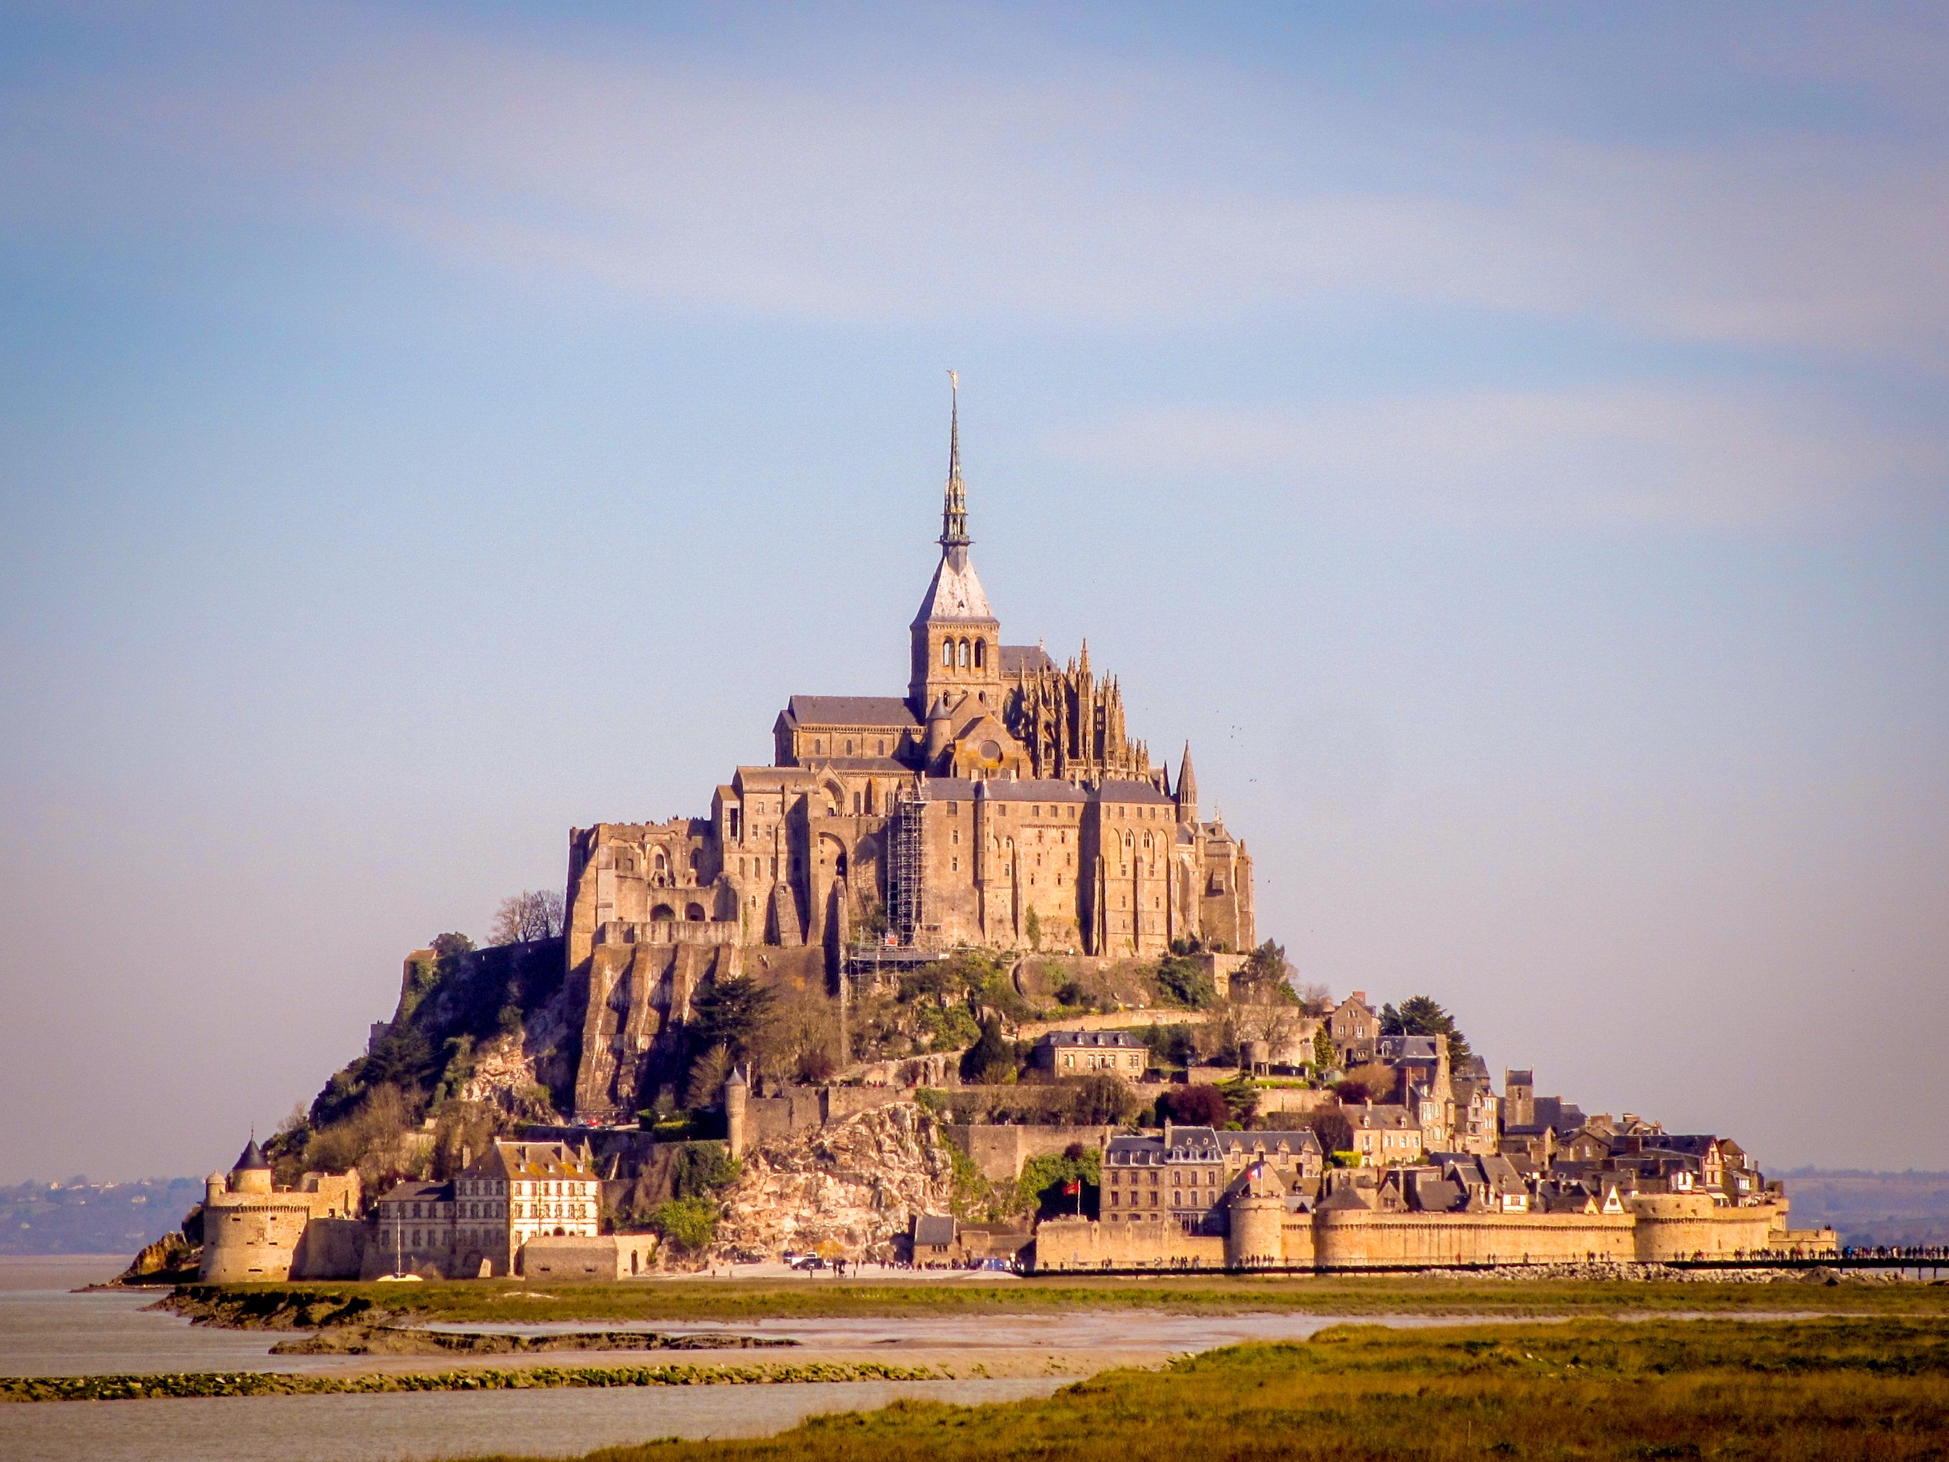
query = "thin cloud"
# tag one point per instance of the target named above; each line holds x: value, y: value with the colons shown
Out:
x: 1157, y: 194
x: 1638, y: 456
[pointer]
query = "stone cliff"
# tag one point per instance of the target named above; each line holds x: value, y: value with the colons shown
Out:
x: 857, y: 1182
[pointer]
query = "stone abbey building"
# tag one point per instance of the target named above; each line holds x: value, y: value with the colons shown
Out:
x: 1001, y: 803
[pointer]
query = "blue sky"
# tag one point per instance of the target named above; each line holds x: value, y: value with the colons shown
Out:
x: 1507, y: 440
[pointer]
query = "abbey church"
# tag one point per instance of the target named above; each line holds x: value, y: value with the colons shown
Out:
x: 1001, y: 802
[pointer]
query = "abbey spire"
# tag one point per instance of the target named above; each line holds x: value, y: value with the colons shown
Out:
x: 1187, y: 789
x: 955, y: 638
x: 954, y: 506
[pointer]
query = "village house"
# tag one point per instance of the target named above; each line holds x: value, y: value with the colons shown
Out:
x: 1082, y: 1053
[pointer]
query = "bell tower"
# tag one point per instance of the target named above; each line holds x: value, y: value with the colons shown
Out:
x: 955, y: 638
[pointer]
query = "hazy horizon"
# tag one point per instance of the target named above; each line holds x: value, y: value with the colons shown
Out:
x: 1507, y: 441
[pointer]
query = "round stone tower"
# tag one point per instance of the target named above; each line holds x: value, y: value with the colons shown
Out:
x: 250, y: 1232
x: 1255, y: 1238
x: 252, y: 1173
x: 736, y: 1092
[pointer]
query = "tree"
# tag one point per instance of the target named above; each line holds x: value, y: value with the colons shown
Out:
x: 688, y: 1223
x: 1331, y: 1126
x: 1183, y: 983
x: 523, y: 918
x: 448, y: 945
x: 1102, y: 1100
x: 990, y: 1061
x: 1198, y: 1106
x: 702, y: 1169
x: 707, y: 1076
x: 1324, y: 1056
x: 1374, y: 1082
x: 730, y: 1013
x: 1420, y: 1015
x: 1269, y: 974
x: 1032, y: 926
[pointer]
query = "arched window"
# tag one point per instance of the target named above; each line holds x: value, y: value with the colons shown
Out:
x: 695, y: 913
x: 981, y: 653
x: 661, y: 866
x: 663, y: 911
x: 947, y: 654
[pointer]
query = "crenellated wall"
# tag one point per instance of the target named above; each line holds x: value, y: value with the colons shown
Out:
x: 1657, y: 1229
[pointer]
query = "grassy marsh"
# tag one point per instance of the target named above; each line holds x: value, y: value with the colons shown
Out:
x: 1783, y: 1391
x: 327, y: 1303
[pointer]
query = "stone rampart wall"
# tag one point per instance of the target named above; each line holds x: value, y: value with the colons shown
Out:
x: 1000, y: 1151
x: 332, y: 1248
x: 253, y: 1240
x: 1659, y: 1229
x: 1082, y: 1243
x: 1353, y: 1238
x: 585, y: 1260
x: 1690, y: 1225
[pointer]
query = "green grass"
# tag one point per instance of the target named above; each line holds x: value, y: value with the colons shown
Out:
x: 283, y: 1305
x: 277, y: 1383
x: 1780, y: 1391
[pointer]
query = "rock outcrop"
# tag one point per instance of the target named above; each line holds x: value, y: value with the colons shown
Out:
x: 856, y: 1183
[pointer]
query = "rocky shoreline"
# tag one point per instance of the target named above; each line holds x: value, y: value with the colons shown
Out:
x: 405, y: 1340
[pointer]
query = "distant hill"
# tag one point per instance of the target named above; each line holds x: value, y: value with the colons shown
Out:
x: 79, y: 1217
x: 1871, y: 1208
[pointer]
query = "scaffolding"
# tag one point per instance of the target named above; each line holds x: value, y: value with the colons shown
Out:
x: 907, y: 875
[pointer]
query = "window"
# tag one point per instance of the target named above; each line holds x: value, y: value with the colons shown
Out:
x: 883, y: 748
x: 981, y: 650
x: 964, y: 654
x: 954, y: 865
x: 849, y: 747
x: 947, y: 654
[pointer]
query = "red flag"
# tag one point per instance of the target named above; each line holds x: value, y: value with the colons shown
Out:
x: 1069, y: 1188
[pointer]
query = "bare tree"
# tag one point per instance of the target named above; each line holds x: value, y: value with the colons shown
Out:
x: 708, y: 1074
x: 523, y: 918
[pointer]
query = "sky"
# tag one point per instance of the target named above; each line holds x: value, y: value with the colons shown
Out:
x: 1508, y: 441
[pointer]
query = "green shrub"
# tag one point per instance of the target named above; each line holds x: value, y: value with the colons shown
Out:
x: 688, y: 1223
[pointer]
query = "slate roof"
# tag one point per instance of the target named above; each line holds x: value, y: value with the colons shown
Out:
x: 934, y: 1229
x: 1132, y: 792
x: 1296, y: 1142
x: 1020, y: 659
x: 412, y: 1192
x: 252, y: 1160
x: 850, y: 710
x: 1121, y: 1039
x: 531, y: 1160
x: 1033, y: 789
x: 955, y: 593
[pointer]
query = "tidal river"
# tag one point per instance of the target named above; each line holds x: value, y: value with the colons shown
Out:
x: 47, y: 1330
